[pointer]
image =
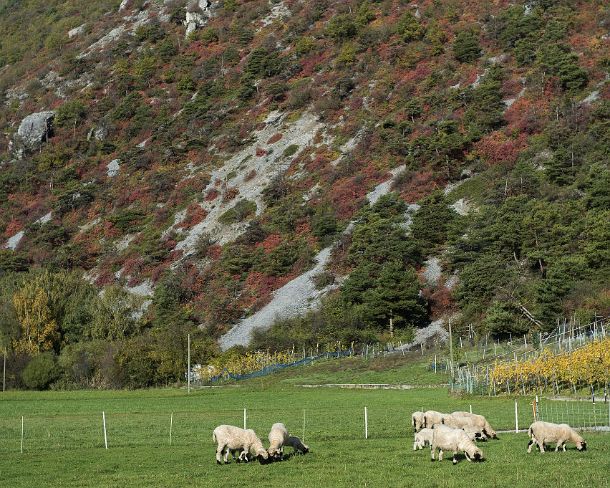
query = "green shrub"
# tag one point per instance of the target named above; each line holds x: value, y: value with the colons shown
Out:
x: 466, y: 47
x: 290, y: 150
x: 238, y: 213
x: 70, y: 113
x: 342, y: 27
x: 41, y: 371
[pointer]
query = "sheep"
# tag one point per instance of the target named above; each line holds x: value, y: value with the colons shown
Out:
x: 545, y: 432
x: 278, y: 436
x: 297, y: 445
x: 432, y: 418
x: 461, y: 420
x: 417, y: 420
x: 234, y: 439
x: 422, y: 438
x: 446, y: 438
x: 474, y: 433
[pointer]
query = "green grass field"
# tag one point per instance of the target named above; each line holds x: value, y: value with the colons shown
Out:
x: 64, y: 445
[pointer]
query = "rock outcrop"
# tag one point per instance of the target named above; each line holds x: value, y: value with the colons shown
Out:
x: 197, y: 15
x: 34, y: 129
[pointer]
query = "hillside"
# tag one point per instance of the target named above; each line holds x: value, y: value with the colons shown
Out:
x: 167, y: 166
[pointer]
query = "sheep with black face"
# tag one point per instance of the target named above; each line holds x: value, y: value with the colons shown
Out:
x: 235, y: 439
x: 447, y: 439
x: 542, y: 433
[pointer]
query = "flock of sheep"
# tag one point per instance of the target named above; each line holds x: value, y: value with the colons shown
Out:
x: 458, y: 431
x: 247, y: 445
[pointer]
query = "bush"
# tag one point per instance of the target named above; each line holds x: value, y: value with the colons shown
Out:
x: 241, y: 211
x: 41, y: 371
x: 466, y: 47
x: 342, y: 27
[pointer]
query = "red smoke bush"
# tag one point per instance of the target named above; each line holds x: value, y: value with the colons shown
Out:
x: 497, y: 148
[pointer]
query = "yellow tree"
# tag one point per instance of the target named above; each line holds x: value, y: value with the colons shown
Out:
x: 39, y: 330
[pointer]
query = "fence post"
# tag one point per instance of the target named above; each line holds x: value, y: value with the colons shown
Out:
x: 105, y: 435
x: 470, y: 408
x: 188, y: 370
x: 366, y: 424
x: 516, y: 418
x: 22, y: 434
x: 171, y: 424
x: 244, y: 418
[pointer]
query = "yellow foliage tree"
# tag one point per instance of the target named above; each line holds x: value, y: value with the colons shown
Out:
x: 39, y: 330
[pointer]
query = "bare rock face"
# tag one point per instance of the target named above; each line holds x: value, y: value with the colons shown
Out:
x: 197, y: 15
x: 35, y: 129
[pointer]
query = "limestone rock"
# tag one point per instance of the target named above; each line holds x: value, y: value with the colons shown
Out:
x: 77, y: 31
x: 194, y: 18
x: 34, y: 129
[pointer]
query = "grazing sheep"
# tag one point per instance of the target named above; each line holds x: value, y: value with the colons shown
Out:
x: 474, y: 433
x: 278, y: 436
x: 543, y: 433
x: 234, y: 439
x: 297, y: 445
x: 456, y: 440
x: 422, y: 438
x: 417, y: 420
x: 461, y: 420
x: 432, y: 418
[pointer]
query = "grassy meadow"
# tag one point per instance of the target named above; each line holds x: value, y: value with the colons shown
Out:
x: 64, y: 446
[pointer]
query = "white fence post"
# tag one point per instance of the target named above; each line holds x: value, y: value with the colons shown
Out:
x: 22, y: 434
x: 470, y: 408
x: 245, y: 418
x: 105, y: 436
x: 516, y: 418
x: 171, y: 425
x: 366, y: 423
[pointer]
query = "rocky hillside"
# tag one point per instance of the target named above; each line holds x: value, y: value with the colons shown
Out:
x: 315, y: 171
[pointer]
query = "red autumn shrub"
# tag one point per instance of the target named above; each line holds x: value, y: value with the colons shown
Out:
x: 270, y: 243
x: 497, y: 148
x: 230, y: 194
x: 12, y: 228
x: 211, y: 195
x: 274, y: 138
x: 194, y: 215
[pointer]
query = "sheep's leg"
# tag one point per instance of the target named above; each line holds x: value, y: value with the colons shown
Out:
x: 432, y: 449
x: 529, y: 445
x: 219, y: 450
x: 415, y: 446
x: 541, y: 446
x: 226, y: 455
x: 440, y: 454
x: 454, y: 460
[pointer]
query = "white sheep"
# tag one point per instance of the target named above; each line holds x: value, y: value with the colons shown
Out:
x: 543, y: 433
x: 234, y: 439
x: 417, y: 421
x: 456, y: 440
x: 474, y: 433
x: 297, y: 445
x: 432, y: 418
x: 278, y: 436
x: 422, y: 438
x: 463, y: 420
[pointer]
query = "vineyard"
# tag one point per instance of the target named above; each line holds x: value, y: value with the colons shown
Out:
x: 588, y: 366
x: 570, y: 359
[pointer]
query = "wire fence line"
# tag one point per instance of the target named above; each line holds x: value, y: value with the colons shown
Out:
x: 193, y: 429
